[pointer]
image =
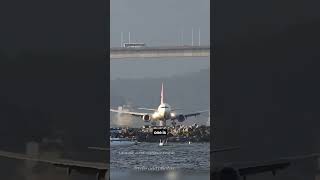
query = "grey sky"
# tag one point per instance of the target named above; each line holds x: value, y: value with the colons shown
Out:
x: 159, y: 23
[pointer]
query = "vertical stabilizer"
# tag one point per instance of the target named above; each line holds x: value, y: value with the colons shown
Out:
x: 161, y: 96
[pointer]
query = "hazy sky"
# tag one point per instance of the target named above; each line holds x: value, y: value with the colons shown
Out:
x: 159, y: 23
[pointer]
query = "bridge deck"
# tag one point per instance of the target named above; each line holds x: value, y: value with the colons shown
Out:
x: 158, y: 52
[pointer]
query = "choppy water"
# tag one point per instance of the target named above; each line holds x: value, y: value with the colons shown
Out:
x: 172, y: 162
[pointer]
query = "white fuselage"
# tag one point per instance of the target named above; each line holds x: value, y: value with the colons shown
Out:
x: 163, y: 112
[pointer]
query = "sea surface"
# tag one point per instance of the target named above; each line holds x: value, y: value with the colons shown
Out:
x: 172, y: 162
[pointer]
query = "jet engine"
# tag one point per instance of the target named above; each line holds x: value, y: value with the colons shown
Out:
x: 226, y: 173
x: 146, y: 118
x: 181, y: 118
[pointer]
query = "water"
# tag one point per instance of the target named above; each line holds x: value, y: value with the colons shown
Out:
x: 172, y: 162
x: 135, y: 68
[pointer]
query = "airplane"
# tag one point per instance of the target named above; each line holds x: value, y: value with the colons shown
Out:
x: 227, y: 171
x: 224, y: 171
x: 163, y: 113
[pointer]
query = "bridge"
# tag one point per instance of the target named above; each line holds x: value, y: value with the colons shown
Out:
x: 159, y: 52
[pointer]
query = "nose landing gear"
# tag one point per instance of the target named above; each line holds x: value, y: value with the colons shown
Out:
x: 162, y: 123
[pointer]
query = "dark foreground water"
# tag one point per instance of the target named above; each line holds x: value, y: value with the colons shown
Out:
x: 173, y: 162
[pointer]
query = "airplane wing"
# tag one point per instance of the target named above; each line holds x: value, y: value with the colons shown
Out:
x: 245, y: 169
x: 195, y: 113
x: 101, y: 169
x: 214, y: 150
x: 95, y: 168
x: 129, y: 113
x: 174, y: 109
x: 148, y: 109
x: 99, y: 148
x: 224, y: 149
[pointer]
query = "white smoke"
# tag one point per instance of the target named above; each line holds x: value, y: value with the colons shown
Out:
x: 124, y: 120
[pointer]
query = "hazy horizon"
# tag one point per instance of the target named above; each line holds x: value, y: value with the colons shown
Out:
x: 159, y: 22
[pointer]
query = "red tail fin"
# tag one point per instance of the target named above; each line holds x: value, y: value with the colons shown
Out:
x: 161, y: 96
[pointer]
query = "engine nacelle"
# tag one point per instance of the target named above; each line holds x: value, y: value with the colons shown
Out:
x: 181, y: 118
x: 146, y: 118
x: 226, y: 173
